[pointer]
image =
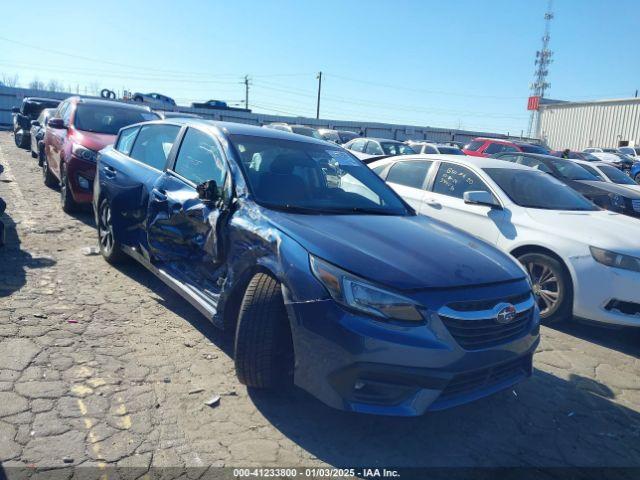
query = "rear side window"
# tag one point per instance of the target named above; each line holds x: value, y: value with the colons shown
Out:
x: 410, y: 174
x: 125, y: 140
x: 533, y: 163
x: 429, y: 149
x: 475, y: 145
x: 454, y: 180
x: 200, y: 159
x: 373, y: 148
x: 497, y: 148
x: 153, y: 144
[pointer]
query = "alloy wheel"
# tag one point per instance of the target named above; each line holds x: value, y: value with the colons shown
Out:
x: 105, y: 228
x: 546, y: 286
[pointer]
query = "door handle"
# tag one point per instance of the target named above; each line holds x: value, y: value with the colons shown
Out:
x: 433, y: 203
x: 109, y: 172
x: 160, y: 195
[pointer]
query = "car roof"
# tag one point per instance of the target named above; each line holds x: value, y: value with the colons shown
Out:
x: 587, y: 162
x: 487, y: 139
x: 40, y: 99
x: 231, y: 128
x: 103, y: 101
x: 378, y: 139
x: 479, y: 162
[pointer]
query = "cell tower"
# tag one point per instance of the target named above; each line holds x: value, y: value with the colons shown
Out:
x: 543, y: 59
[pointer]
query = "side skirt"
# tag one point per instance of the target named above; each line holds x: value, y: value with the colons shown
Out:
x: 197, y: 299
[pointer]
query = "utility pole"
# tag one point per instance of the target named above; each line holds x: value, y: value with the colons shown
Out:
x: 319, y: 77
x: 246, y: 92
x: 543, y: 59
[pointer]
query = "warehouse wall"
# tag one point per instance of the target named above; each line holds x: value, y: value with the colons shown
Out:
x: 590, y: 124
x: 10, y: 97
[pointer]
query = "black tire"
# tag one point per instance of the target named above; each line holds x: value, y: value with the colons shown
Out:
x: 551, y: 285
x: 637, y: 178
x: 67, y: 202
x: 20, y: 140
x: 34, y: 154
x: 49, y: 178
x: 109, y: 247
x: 263, y: 345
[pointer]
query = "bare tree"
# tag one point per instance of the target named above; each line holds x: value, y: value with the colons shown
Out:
x: 54, y: 86
x: 10, y: 80
x: 36, y: 84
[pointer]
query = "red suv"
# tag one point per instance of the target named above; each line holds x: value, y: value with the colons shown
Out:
x: 485, y: 147
x: 78, y: 129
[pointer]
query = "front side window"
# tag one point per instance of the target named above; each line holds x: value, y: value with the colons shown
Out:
x: 306, y: 177
x: 153, y: 144
x: 454, y: 180
x: 109, y: 119
x: 200, y: 159
x: 534, y: 163
x: 594, y: 172
x: 373, y: 148
x: 410, y: 174
x: 125, y: 140
x: 533, y: 149
x: 430, y: 150
x: 538, y: 190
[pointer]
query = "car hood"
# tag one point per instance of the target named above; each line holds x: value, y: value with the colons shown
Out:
x: 402, y: 252
x: 93, y: 141
x: 611, y: 188
x: 602, y: 228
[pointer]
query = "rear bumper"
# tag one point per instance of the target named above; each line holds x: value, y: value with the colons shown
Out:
x: 81, y: 175
x: 354, y: 363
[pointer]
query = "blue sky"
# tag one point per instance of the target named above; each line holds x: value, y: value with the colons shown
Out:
x: 456, y: 63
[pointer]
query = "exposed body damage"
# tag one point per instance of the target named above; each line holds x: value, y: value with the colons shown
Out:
x: 222, y: 224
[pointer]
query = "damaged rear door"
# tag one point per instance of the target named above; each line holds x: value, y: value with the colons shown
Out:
x: 128, y: 173
x: 186, y: 211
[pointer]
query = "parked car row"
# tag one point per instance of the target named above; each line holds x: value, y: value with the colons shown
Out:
x: 326, y: 277
x: 414, y: 283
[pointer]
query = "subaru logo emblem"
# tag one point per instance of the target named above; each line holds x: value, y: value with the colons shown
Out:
x: 506, y: 314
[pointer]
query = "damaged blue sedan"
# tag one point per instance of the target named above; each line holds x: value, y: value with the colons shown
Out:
x: 327, y: 278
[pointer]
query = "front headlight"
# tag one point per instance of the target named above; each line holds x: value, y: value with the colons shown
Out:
x: 617, y: 201
x: 358, y: 294
x: 613, y: 259
x: 84, y: 153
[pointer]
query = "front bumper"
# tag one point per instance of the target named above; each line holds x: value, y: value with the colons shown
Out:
x: 605, y: 294
x: 355, y: 363
x: 81, y: 174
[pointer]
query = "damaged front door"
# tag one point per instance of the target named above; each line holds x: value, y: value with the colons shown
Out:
x: 186, y: 210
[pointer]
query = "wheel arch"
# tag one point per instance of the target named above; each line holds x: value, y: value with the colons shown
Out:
x: 524, y: 249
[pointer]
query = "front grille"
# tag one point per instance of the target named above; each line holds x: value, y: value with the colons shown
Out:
x: 478, y: 334
x: 471, y: 305
x: 636, y: 205
x: 487, y: 377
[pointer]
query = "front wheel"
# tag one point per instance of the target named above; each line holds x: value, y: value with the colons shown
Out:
x: 637, y: 178
x: 263, y: 345
x: 19, y: 138
x: 67, y: 202
x: 551, y: 286
x: 109, y: 247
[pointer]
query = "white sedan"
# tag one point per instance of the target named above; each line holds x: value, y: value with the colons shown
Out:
x: 583, y: 261
x: 608, y: 173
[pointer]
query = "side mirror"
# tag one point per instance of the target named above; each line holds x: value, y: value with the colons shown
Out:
x: 481, y: 198
x: 56, y: 123
x: 15, y: 109
x: 208, y: 191
x: 35, y: 123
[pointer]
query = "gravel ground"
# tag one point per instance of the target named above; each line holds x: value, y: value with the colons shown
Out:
x: 103, y: 366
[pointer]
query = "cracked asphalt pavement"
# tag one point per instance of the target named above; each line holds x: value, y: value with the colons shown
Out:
x: 106, y: 366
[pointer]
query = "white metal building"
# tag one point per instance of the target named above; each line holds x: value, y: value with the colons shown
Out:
x: 601, y: 123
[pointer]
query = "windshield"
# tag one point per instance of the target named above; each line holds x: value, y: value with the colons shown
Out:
x: 307, y: 132
x: 532, y: 189
x: 615, y: 175
x: 396, y: 148
x: 305, y: 177
x: 108, y: 119
x: 33, y: 108
x: 450, y: 151
x: 589, y: 157
x: 532, y: 149
x: 346, y: 136
x: 571, y: 171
